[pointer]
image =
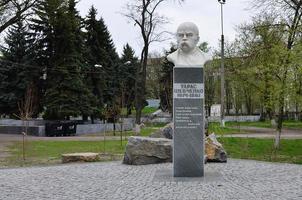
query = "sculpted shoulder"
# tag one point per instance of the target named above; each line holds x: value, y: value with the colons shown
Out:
x: 194, y: 58
x: 172, y: 57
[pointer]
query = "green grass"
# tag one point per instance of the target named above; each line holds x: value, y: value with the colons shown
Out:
x: 260, y: 124
x: 214, y: 127
x: 145, y: 131
x: 149, y: 110
x: 156, y: 125
x: 150, y: 128
x: 262, y: 149
x: 266, y: 124
x: 145, y: 111
x: 293, y: 124
x: 49, y: 152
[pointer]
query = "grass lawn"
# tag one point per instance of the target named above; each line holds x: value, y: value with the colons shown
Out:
x: 214, y: 127
x: 156, y: 125
x: 262, y: 149
x: 150, y: 128
x: 293, y: 124
x: 149, y: 110
x: 145, y: 111
x: 49, y: 152
x: 145, y: 131
x: 266, y: 124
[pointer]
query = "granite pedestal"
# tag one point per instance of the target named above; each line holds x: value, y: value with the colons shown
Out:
x: 188, y: 117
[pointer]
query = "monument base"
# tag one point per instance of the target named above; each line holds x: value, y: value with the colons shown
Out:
x: 166, y: 175
x: 188, y: 117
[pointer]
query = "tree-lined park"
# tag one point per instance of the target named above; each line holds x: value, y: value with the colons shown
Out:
x: 59, y: 65
x: 164, y: 115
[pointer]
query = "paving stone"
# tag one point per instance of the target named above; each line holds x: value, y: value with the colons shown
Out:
x: 240, y: 179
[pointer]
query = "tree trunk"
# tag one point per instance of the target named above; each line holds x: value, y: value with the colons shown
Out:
x: 280, y: 114
x: 277, y: 139
x: 92, y: 119
x: 141, y: 80
x: 138, y: 103
x: 114, y: 128
x: 128, y: 111
x: 85, y: 117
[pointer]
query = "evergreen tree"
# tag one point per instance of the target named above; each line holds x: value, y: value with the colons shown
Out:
x: 111, y: 65
x: 95, y: 80
x: 17, y: 69
x: 100, y: 50
x: 127, y: 77
x: 60, y: 26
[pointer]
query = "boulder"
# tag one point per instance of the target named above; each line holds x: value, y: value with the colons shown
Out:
x: 146, y: 150
x: 80, y: 157
x: 151, y: 150
x: 214, y: 150
x: 155, y: 114
x: 137, y: 128
x: 165, y: 132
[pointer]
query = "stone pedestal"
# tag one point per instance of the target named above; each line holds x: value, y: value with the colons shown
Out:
x: 188, y: 117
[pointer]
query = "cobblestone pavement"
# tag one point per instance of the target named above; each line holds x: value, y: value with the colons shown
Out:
x: 238, y: 179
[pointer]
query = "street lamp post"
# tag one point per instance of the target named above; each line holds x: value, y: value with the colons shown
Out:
x: 222, y: 2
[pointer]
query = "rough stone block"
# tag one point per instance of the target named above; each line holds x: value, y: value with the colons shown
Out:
x: 80, y: 157
x: 214, y: 150
x: 165, y: 132
x: 145, y: 150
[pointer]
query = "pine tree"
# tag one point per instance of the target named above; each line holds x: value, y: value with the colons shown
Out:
x: 111, y: 66
x: 100, y: 50
x: 60, y: 27
x: 127, y: 77
x: 18, y: 69
x: 93, y: 56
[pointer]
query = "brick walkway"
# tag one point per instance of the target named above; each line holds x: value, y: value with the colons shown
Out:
x: 237, y: 179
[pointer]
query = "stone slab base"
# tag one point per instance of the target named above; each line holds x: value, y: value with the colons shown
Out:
x: 165, y: 175
x: 80, y: 157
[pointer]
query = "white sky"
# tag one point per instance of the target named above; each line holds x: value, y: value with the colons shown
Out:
x: 204, y: 13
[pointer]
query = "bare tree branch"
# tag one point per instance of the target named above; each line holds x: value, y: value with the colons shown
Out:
x: 13, y: 10
x: 143, y: 13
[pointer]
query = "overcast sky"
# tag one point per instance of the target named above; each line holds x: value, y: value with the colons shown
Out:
x: 204, y: 13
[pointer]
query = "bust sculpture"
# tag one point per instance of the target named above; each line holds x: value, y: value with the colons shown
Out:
x: 187, y: 54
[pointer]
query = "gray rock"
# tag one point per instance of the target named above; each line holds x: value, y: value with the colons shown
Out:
x: 157, y: 134
x: 165, y: 132
x: 151, y: 150
x: 214, y: 150
x: 80, y: 157
x: 146, y: 150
